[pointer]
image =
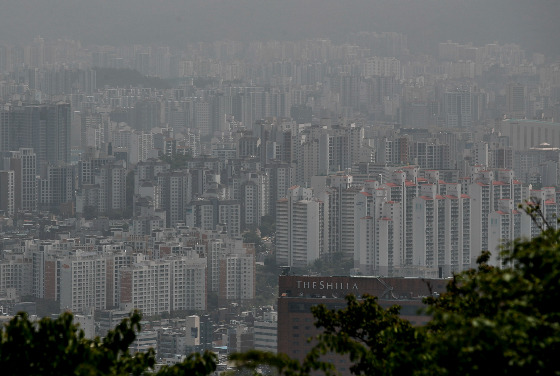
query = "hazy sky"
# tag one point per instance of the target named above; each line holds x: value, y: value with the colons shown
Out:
x: 533, y: 24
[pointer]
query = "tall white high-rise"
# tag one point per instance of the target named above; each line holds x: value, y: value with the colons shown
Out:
x: 442, y: 230
x: 24, y: 164
x: 111, y: 179
x: 300, y: 228
x: 505, y: 225
x: 146, y: 286
x: 82, y: 285
x: 189, y: 283
x: 175, y: 194
x: 237, y: 278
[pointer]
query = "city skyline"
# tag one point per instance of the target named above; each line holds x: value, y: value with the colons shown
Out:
x: 178, y: 157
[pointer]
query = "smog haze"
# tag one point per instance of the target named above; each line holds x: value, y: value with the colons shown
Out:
x: 175, y: 22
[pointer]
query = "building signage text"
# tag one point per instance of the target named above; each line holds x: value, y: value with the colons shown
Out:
x: 323, y: 285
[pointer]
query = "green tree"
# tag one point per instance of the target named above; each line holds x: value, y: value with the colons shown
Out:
x: 212, y: 300
x: 127, y: 77
x: 332, y: 264
x: 58, y: 347
x: 177, y: 161
x: 489, y: 321
x: 90, y: 212
x: 268, y: 226
x: 267, y: 282
x: 251, y: 237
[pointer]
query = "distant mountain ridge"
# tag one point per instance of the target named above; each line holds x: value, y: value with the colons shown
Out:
x: 125, y: 77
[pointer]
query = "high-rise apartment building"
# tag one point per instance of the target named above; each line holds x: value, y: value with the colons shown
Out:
x: 82, y: 282
x: 505, y: 225
x: 146, y: 285
x: 280, y: 178
x: 45, y: 128
x: 115, y: 262
x: 175, y: 190
x: 441, y: 230
x: 251, y: 189
x: 388, y: 241
x: 486, y: 189
x: 202, y: 118
x: 111, y: 179
x: 300, y: 228
x: 516, y: 101
x: 215, y: 249
x: 208, y: 213
x: 16, y: 273
x: 457, y: 108
x: 430, y: 155
x: 7, y: 192
x: 393, y: 151
x: 237, y: 278
x: 189, y: 283
x: 24, y: 164
x: 58, y: 187
x: 339, y: 209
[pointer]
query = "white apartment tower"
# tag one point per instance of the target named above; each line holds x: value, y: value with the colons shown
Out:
x: 486, y: 190
x: 237, y: 278
x: 505, y: 225
x: 300, y: 228
x: 388, y: 240
x: 82, y: 283
x: 215, y: 249
x: 339, y: 200
x: 115, y: 262
x: 189, y: 283
x: 111, y: 179
x: 146, y: 286
x: 16, y: 273
x: 442, y: 230
x: 175, y: 194
x: 24, y: 164
x: 458, y: 108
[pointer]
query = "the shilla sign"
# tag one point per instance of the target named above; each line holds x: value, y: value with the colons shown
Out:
x: 326, y: 285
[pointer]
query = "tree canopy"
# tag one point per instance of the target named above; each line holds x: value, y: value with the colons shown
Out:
x: 125, y: 77
x: 268, y: 226
x: 58, y: 347
x: 177, y: 161
x: 332, y: 264
x: 251, y: 237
